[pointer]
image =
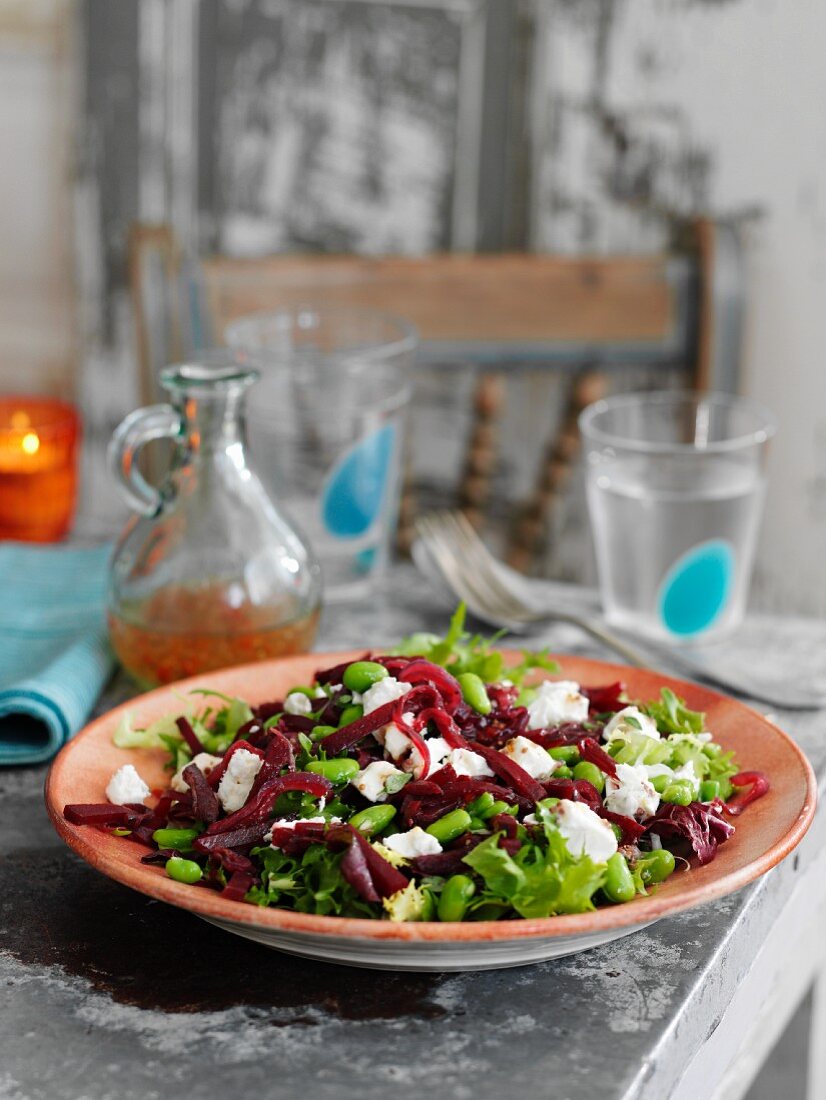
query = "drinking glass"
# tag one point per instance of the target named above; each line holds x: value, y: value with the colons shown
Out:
x: 675, y: 486
x: 327, y: 427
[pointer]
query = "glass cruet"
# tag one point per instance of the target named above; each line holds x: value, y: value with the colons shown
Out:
x: 209, y: 572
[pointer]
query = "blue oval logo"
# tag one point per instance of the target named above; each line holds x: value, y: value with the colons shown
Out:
x: 697, y: 587
x: 354, y: 492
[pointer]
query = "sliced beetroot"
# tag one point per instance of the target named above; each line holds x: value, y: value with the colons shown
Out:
x: 750, y: 786
x: 350, y: 735
x: 575, y: 790
x: 159, y: 857
x: 605, y: 699
x: 189, y: 735
x: 446, y: 727
x: 592, y: 752
x: 104, y: 813
x: 279, y: 752
x: 205, y: 804
x: 297, y: 723
x: 422, y: 788
x: 414, y: 736
x: 238, y: 886
x: 420, y: 671
x: 569, y: 733
x: 384, y: 879
x: 508, y: 770
x: 631, y: 830
x: 507, y: 823
x: 259, y: 807
x: 309, y: 831
x: 244, y: 836
x: 232, y: 861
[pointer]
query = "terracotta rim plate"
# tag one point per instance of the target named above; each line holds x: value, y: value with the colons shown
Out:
x: 766, y: 833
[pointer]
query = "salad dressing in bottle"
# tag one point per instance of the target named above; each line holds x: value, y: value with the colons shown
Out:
x: 209, y: 572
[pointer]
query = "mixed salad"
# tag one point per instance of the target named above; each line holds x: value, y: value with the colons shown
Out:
x: 434, y: 782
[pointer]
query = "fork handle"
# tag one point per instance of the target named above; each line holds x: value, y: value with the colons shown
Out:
x: 632, y: 656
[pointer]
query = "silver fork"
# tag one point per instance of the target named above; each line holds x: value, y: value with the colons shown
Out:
x: 474, y: 575
x: 477, y: 578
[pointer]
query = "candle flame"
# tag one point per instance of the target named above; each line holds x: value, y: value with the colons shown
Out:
x: 30, y: 443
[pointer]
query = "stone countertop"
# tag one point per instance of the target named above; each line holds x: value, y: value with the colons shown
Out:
x: 110, y: 994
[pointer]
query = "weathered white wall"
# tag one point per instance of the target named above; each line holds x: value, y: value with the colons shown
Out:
x: 36, y: 118
x: 654, y: 109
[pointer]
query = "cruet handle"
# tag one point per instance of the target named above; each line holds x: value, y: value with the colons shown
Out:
x: 138, y: 428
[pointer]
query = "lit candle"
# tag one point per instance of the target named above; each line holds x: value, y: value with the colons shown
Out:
x: 38, y: 468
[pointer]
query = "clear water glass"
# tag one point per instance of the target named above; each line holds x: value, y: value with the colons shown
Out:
x: 675, y: 486
x: 327, y: 426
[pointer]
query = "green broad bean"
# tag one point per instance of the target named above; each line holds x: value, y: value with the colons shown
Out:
x: 361, y: 675
x: 373, y: 819
x: 351, y: 714
x: 318, y: 733
x: 474, y: 692
x: 563, y: 772
x: 455, y: 897
x: 568, y: 754
x: 179, y: 839
x: 679, y: 791
x: 709, y: 790
x: 619, y: 882
x: 308, y: 691
x: 338, y: 770
x: 590, y: 773
x: 183, y: 870
x: 481, y: 807
x: 656, y: 865
x: 450, y: 826
x: 660, y: 782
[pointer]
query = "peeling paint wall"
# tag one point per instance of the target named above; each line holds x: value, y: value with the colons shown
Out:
x: 651, y: 110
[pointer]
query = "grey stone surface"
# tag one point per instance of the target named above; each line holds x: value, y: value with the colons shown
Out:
x: 109, y: 994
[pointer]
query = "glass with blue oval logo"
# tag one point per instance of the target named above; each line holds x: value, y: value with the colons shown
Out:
x: 675, y: 485
x: 327, y: 429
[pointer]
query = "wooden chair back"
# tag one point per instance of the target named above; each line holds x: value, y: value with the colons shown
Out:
x: 580, y: 315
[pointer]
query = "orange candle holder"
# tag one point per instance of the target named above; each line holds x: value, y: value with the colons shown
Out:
x: 38, y: 468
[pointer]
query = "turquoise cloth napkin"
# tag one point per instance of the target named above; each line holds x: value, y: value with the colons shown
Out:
x: 54, y: 655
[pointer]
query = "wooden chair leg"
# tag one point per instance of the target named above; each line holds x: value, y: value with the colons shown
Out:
x: 483, y: 447
x: 530, y: 526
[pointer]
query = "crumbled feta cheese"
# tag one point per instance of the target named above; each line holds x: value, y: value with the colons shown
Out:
x: 555, y: 702
x: 532, y: 757
x: 415, y: 842
x: 236, y: 782
x: 585, y: 832
x: 437, y: 749
x: 465, y: 762
x: 396, y: 743
x: 126, y: 786
x: 383, y: 691
x: 205, y: 761
x: 372, y: 779
x: 619, y: 726
x: 631, y: 793
x: 319, y: 693
x: 298, y: 703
